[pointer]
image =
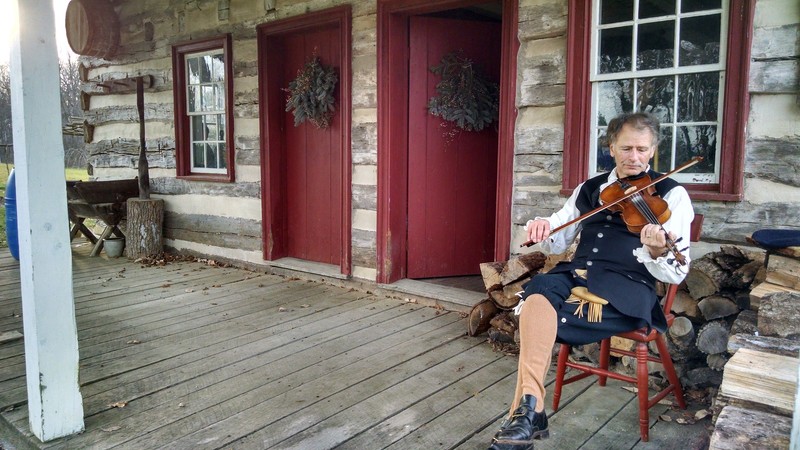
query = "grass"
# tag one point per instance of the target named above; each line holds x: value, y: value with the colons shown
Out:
x: 71, y: 174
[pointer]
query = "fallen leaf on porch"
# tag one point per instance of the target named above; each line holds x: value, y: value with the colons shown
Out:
x: 260, y: 285
x: 188, y: 290
x: 664, y: 401
x: 305, y: 306
x: 181, y: 405
x: 212, y: 263
x: 165, y: 285
x: 701, y: 414
x: 681, y: 421
x: 205, y: 288
x: 631, y: 389
x: 216, y: 285
x: 118, y: 404
x: 110, y: 429
x: 281, y: 309
x: 665, y: 418
x: 459, y: 368
x: 134, y: 341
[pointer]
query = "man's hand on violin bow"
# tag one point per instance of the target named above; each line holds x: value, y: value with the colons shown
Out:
x: 538, y: 230
x: 654, y: 238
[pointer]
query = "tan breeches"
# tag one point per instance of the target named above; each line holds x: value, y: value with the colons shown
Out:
x: 538, y: 324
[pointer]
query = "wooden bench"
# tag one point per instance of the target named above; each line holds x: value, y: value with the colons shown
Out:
x: 100, y: 200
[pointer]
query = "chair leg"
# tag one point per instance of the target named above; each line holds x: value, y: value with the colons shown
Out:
x: 642, y: 386
x: 666, y: 361
x: 605, y: 349
x: 561, y: 370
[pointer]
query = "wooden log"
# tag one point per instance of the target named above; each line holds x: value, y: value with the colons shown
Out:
x: 769, y: 344
x: 713, y: 337
x: 145, y: 228
x: 742, y: 299
x: 522, y: 266
x: 512, y: 289
x: 490, y: 273
x: 744, y: 429
x: 762, y: 290
x: 682, y: 333
x: 705, y: 277
x: 743, y: 277
x: 502, y: 301
x: 746, y: 323
x: 684, y: 304
x: 621, y: 343
x: 716, y: 307
x: 717, y: 361
x: 779, y: 315
x: 784, y: 271
x: 701, y: 377
x: 479, y: 318
x: 762, y: 378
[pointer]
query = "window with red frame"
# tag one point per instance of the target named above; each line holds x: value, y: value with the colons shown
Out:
x: 681, y: 60
x: 203, y: 109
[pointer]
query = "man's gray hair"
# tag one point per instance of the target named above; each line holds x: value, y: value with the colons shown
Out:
x: 638, y: 120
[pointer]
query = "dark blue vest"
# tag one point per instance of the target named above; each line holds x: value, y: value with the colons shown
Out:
x: 606, y: 249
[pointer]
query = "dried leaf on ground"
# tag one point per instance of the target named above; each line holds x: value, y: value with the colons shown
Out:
x: 134, y: 341
x: 118, y: 404
x: 110, y: 429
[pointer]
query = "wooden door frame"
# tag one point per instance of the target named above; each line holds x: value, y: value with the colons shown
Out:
x: 271, y: 110
x: 393, y: 55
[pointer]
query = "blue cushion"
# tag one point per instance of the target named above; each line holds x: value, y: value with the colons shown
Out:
x: 773, y: 239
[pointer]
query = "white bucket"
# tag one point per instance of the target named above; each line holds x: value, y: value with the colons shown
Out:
x: 114, y: 246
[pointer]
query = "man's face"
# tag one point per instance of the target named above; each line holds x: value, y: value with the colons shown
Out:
x: 632, y: 150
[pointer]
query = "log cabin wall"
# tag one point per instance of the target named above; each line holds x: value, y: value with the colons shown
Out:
x: 224, y: 219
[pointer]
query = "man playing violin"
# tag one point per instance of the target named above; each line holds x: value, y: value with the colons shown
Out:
x: 612, y: 262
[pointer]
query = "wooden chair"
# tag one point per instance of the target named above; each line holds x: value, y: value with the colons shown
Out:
x: 642, y: 338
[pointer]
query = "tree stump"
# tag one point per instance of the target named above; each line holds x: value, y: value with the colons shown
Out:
x: 145, y: 227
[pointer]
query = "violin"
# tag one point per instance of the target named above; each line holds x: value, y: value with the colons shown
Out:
x: 656, y: 211
x: 640, y: 208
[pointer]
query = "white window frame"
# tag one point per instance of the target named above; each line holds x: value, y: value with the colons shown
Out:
x: 218, y: 110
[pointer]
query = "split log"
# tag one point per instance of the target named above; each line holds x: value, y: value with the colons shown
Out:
x: 502, y: 301
x: 716, y: 307
x: 701, y: 377
x: 784, y: 271
x: 682, y: 334
x: 743, y: 429
x: 713, y: 337
x: 762, y: 290
x: 742, y: 299
x: 490, y: 272
x: 622, y: 344
x: 504, y: 323
x: 730, y: 258
x: 705, y: 277
x: 511, y: 290
x: 746, y: 323
x: 480, y: 316
x: 761, y: 378
x: 685, y: 305
x: 769, y: 344
x: 522, y: 266
x: 779, y: 315
x: 145, y: 228
x: 743, y: 277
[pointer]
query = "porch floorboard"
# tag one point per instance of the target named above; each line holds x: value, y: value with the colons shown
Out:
x: 192, y: 355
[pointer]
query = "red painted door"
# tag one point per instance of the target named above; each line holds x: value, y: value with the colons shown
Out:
x: 452, y: 181
x: 313, y: 161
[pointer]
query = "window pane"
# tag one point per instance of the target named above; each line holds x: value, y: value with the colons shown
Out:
x: 612, y: 11
x: 605, y: 162
x: 219, y: 68
x: 211, y: 156
x: 613, y: 98
x: 656, y: 8
x: 663, y: 156
x: 699, y: 140
x: 193, y: 70
x: 205, y: 69
x: 198, y: 128
x: 223, y: 162
x: 219, y: 94
x: 615, y: 49
x: 698, y: 97
x: 700, y: 40
x: 656, y: 95
x: 194, y: 98
x: 197, y: 156
x: 208, y: 98
x: 655, y: 45
x: 699, y: 5
x: 211, y: 128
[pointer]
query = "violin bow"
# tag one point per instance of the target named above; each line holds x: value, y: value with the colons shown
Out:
x: 628, y: 195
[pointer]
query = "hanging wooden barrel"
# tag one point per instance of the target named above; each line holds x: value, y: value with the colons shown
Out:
x: 92, y: 28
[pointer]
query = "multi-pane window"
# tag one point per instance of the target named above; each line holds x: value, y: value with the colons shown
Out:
x: 205, y: 97
x: 202, y: 84
x: 666, y: 57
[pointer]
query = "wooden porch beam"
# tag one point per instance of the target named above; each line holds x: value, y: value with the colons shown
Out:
x: 51, y: 341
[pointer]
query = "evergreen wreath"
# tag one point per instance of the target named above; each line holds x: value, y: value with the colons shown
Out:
x: 465, y: 97
x: 311, y: 94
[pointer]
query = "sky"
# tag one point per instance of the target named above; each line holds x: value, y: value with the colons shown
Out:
x: 8, y: 27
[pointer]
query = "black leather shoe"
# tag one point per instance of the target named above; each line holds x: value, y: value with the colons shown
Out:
x: 520, y: 430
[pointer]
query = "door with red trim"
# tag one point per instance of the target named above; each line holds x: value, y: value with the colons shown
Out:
x: 452, y: 175
x: 313, y: 158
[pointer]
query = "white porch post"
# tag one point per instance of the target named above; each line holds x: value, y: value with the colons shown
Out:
x: 51, y: 341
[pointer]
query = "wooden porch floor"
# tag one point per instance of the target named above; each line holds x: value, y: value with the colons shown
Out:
x: 193, y: 356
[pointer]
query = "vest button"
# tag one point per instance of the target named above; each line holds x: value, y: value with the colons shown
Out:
x: 588, y: 263
x: 595, y: 250
x: 608, y: 217
x: 563, y: 320
x: 599, y: 235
